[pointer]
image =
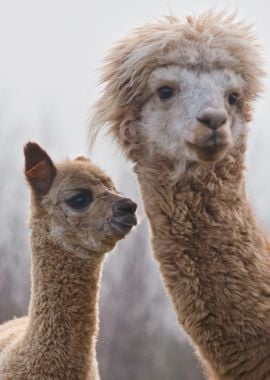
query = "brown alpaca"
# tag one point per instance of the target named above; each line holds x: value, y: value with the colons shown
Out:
x: 177, y: 98
x: 76, y: 217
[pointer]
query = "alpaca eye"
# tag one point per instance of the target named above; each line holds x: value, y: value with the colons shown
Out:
x: 232, y: 98
x: 81, y: 200
x: 165, y: 92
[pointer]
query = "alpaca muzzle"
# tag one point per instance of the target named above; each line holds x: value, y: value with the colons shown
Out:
x: 124, y: 217
x: 212, y: 136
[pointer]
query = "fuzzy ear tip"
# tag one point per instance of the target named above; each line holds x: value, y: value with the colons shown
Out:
x: 30, y: 147
x: 33, y: 154
x: 82, y: 158
x: 39, y: 168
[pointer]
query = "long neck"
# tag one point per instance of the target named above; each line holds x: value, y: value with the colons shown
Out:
x: 63, y: 309
x: 211, y: 251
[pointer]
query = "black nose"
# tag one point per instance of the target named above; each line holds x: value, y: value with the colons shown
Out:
x: 124, y: 206
x: 212, y: 118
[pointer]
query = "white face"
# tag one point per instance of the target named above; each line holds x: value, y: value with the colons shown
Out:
x: 192, y: 115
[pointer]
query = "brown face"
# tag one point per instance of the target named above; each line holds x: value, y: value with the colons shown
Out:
x: 90, y: 212
x: 84, y: 213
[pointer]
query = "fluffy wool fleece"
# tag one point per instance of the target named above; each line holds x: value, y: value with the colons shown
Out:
x: 76, y: 217
x: 209, y: 41
x: 213, y: 254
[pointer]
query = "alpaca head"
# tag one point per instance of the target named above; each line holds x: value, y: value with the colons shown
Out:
x: 181, y: 90
x: 76, y: 203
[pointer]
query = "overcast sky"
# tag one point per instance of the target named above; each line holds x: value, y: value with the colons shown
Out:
x: 51, y: 51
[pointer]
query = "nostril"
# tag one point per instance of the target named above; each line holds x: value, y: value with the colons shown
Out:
x: 213, y: 119
x: 204, y: 120
x: 124, y: 206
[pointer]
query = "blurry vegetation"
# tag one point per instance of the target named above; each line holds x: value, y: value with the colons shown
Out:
x: 14, y: 257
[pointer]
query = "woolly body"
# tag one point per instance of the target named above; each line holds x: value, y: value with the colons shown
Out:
x: 177, y: 98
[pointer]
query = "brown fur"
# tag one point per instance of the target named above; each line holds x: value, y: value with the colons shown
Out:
x: 213, y: 255
x: 215, y: 262
x: 57, y: 339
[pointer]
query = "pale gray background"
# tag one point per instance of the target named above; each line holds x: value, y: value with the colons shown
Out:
x: 50, y: 55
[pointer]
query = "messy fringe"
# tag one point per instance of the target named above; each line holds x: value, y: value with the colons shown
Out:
x: 212, y: 40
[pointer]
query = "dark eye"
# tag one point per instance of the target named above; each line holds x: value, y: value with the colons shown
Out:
x: 81, y: 200
x: 165, y: 92
x: 232, y: 98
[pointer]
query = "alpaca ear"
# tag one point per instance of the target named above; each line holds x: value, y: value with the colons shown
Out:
x: 82, y: 158
x: 128, y: 131
x: 39, y: 169
x: 247, y: 112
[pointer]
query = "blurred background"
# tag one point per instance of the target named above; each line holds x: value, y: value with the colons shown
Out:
x: 51, y: 52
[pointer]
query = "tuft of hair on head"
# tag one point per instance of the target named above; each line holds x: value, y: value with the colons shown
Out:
x: 39, y: 169
x: 211, y: 40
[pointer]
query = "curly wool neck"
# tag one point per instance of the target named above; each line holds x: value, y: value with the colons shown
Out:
x: 210, y: 249
x: 63, y: 314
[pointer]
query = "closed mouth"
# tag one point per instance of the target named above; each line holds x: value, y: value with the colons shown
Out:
x: 209, y: 152
x: 213, y: 149
x: 123, y: 223
x: 211, y: 146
